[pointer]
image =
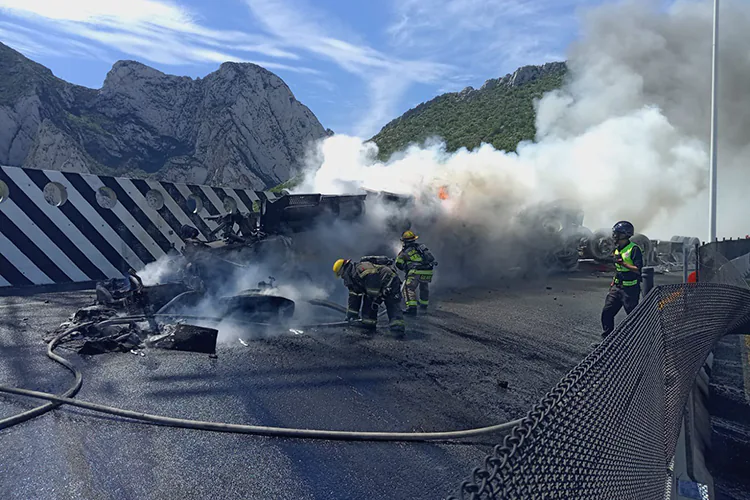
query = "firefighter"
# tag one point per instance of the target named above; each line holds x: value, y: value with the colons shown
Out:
x: 418, y: 264
x: 372, y: 281
x: 625, y: 289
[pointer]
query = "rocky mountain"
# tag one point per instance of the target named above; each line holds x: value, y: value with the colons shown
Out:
x: 240, y: 125
x: 500, y: 113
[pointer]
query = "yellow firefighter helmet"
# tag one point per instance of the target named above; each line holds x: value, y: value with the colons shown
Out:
x: 338, y: 267
x: 408, y: 236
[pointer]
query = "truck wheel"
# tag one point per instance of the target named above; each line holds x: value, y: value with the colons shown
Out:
x: 601, y: 245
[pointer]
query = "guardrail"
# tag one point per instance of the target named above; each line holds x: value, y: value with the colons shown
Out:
x: 609, y: 429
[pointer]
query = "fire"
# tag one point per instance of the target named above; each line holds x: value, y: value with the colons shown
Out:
x: 443, y: 192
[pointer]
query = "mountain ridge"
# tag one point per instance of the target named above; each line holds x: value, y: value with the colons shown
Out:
x: 240, y: 125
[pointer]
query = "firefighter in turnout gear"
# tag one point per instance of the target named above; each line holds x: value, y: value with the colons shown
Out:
x: 625, y: 289
x: 372, y: 281
x: 418, y: 264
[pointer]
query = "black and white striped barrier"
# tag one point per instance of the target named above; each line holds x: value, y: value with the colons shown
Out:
x: 62, y: 227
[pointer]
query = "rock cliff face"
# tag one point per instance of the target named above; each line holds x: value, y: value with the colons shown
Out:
x: 239, y: 126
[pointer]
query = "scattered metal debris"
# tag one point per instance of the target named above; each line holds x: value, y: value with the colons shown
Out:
x: 183, y: 337
x: 129, y: 316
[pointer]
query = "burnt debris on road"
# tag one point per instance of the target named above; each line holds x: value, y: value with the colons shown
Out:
x: 446, y: 373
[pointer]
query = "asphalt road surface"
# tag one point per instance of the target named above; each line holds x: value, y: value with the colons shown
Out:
x: 444, y: 375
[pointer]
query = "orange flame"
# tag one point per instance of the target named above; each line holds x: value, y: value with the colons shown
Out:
x: 443, y: 192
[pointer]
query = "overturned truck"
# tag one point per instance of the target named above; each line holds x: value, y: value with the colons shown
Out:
x: 553, y: 233
x: 265, y: 235
x: 558, y: 229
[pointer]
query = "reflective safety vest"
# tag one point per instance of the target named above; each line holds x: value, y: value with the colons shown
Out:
x: 626, y: 254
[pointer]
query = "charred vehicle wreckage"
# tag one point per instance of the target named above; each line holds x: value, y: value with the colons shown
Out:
x: 555, y: 231
x: 129, y: 315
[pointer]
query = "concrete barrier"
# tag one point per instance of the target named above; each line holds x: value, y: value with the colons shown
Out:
x: 62, y: 227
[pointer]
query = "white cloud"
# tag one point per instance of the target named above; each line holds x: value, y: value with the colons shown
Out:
x: 387, y: 78
x: 24, y: 43
x: 482, y: 35
x: 158, y: 31
x: 34, y: 43
x: 91, y: 11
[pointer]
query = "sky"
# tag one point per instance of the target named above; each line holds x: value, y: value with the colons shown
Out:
x: 356, y: 64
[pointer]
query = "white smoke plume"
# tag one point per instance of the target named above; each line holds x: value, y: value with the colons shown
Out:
x: 158, y: 271
x: 626, y: 137
x: 252, y: 275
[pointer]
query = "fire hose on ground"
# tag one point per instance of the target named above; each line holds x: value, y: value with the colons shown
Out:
x: 67, y: 397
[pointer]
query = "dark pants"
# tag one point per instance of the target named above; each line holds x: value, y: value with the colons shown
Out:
x: 617, y: 298
x: 370, y: 305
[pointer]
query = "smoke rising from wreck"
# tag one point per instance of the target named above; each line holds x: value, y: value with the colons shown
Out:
x: 265, y: 277
x: 625, y: 138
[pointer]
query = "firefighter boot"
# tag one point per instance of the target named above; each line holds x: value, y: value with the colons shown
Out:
x: 395, y: 318
x: 397, y: 326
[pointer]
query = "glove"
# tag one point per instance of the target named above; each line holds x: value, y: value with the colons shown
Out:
x: 434, y: 264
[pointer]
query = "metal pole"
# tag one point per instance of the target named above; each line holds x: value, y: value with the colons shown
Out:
x: 714, y: 113
x: 685, y: 262
x: 648, y: 279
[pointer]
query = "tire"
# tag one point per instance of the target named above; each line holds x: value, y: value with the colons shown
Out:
x: 584, y: 235
x: 646, y: 245
x: 566, y: 259
x: 601, y: 245
x: 256, y: 307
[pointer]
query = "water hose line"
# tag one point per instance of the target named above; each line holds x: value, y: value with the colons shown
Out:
x: 53, y: 401
x: 72, y: 391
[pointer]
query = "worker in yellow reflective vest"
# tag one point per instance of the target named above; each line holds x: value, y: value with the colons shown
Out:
x: 418, y: 264
x: 625, y: 289
x: 372, y: 281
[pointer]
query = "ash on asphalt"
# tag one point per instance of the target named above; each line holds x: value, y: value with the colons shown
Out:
x: 480, y: 357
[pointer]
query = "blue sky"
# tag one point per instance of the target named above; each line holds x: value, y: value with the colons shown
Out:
x: 357, y: 64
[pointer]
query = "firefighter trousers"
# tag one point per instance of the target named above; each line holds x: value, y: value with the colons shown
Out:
x: 617, y: 298
x: 417, y: 289
x: 371, y: 304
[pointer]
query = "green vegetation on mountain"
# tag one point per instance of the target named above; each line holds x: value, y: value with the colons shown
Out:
x: 501, y: 113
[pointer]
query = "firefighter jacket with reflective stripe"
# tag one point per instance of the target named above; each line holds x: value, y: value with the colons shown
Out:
x: 631, y: 254
x: 366, y: 278
x: 415, y: 259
